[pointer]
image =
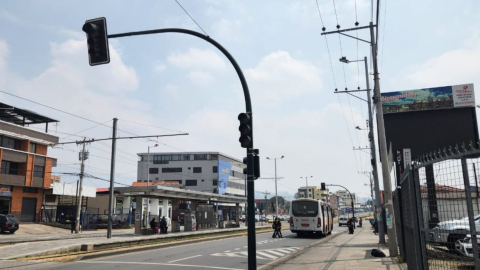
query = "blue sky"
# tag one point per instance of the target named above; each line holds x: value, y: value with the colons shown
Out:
x: 182, y: 83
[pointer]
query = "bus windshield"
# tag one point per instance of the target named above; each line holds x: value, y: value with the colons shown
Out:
x: 305, y: 209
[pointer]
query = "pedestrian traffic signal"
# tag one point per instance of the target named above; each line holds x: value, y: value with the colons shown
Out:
x: 256, y: 167
x: 97, y: 40
x: 323, y: 186
x: 245, y: 130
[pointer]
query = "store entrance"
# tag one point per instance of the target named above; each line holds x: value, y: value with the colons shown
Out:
x: 5, y: 203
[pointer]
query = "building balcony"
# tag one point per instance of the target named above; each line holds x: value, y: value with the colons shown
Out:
x: 12, y: 179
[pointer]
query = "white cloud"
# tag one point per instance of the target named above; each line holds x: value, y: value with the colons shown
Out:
x: 172, y: 90
x: 231, y: 30
x: 159, y: 68
x: 4, y: 52
x: 201, y: 78
x: 280, y: 76
x: 197, y: 59
x: 450, y: 68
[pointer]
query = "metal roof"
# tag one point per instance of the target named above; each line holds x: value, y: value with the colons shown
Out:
x: 22, y: 117
x: 169, y: 192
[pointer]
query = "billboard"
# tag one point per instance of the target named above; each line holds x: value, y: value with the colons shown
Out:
x: 224, y: 169
x: 5, y: 191
x: 429, y: 119
x: 445, y: 97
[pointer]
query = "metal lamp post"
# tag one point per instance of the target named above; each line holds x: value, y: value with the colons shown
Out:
x: 276, y: 195
x: 148, y: 180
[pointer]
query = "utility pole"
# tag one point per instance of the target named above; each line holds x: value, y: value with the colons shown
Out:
x: 80, y: 188
x: 306, y: 187
x: 276, y: 179
x: 266, y: 204
x: 382, y: 141
x: 112, y: 177
x: 148, y: 181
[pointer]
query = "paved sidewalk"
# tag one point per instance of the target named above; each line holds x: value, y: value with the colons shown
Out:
x: 345, y: 251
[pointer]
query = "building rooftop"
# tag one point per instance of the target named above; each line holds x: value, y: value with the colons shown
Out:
x: 22, y: 117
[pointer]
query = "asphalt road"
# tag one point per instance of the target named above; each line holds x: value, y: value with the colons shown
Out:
x: 228, y: 254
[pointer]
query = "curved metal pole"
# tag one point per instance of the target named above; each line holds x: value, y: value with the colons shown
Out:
x: 252, y: 249
x: 351, y: 198
x: 248, y: 103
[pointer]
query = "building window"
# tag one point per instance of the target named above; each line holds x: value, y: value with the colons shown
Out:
x: 30, y: 190
x: 215, y: 182
x: 215, y: 169
x: 186, y: 157
x: 50, y: 198
x: 153, y: 170
x: 190, y: 183
x: 38, y: 171
x: 213, y: 156
x: 200, y: 157
x: 309, y: 195
x: 9, y: 167
x: 171, y: 170
x: 10, y: 143
x: 197, y: 169
x: 33, y: 148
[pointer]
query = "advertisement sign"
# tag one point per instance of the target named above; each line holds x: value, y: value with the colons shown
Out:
x: 445, y: 97
x: 5, y: 191
x: 224, y: 169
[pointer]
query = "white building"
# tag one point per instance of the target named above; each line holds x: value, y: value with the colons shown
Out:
x: 201, y: 171
x: 347, y: 201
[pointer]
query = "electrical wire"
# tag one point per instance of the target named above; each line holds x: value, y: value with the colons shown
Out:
x: 148, y: 125
x: 383, y: 35
x: 191, y: 18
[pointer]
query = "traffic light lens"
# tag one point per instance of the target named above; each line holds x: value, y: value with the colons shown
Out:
x: 91, y: 29
x: 245, y: 141
x: 244, y: 118
x: 244, y: 129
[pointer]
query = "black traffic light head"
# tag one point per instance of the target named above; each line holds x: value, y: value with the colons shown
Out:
x: 323, y: 186
x: 97, y: 39
x: 256, y: 167
x: 245, y: 130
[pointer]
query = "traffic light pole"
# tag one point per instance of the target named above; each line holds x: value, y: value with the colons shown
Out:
x: 252, y: 252
x: 351, y: 199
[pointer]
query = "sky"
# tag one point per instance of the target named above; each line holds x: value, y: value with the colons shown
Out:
x: 170, y: 83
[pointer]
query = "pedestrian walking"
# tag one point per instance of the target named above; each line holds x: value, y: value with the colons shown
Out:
x: 73, y: 222
x: 163, y: 225
x: 360, y: 223
x: 278, y: 228
x: 350, y: 226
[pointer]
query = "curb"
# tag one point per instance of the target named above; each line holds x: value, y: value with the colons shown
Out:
x: 151, y: 247
x: 289, y: 257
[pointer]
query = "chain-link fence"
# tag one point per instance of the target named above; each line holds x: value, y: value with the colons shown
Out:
x: 438, y: 208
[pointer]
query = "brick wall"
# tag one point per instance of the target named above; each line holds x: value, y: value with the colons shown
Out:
x: 28, y: 170
x: 25, y: 145
x: 48, y: 173
x: 42, y: 149
x: 18, y: 195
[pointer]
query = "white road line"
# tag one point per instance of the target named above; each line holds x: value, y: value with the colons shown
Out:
x: 237, y: 249
x: 166, y: 264
x: 245, y: 247
x: 184, y: 259
x: 274, y: 252
x: 264, y: 254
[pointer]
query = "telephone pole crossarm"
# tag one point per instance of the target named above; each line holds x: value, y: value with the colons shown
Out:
x: 349, y: 91
x: 120, y: 138
x: 346, y: 30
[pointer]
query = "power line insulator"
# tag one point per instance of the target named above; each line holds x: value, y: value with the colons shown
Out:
x: 356, y: 23
x: 323, y: 29
x: 338, y: 26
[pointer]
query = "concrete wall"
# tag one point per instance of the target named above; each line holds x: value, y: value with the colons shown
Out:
x: 100, y: 202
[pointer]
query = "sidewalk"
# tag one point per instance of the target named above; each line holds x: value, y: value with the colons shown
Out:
x: 344, y: 251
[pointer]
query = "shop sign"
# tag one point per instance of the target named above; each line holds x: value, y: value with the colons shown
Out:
x: 6, y: 191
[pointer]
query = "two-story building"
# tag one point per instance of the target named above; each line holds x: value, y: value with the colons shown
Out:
x: 314, y: 192
x: 25, y: 169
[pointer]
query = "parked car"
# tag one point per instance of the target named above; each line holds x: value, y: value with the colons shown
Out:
x: 464, y: 246
x: 342, y: 220
x: 8, y: 223
x: 449, y: 232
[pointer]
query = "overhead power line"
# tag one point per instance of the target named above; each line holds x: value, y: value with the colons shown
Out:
x: 191, y: 18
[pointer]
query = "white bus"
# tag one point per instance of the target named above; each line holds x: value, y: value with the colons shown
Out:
x: 308, y: 216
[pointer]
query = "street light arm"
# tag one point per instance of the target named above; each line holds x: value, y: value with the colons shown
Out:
x: 248, y: 103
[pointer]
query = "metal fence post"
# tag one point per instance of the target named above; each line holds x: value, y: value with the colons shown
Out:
x: 471, y: 220
x: 413, y: 175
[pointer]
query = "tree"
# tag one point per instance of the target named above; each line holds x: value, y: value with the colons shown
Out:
x: 287, y: 206
x: 281, y: 201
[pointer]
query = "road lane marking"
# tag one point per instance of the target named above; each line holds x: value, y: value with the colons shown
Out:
x: 184, y: 259
x: 165, y: 264
x: 237, y: 248
x: 266, y: 254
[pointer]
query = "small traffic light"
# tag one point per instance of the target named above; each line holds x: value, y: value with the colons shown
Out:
x: 323, y: 186
x: 256, y: 167
x: 97, y: 39
x: 245, y: 130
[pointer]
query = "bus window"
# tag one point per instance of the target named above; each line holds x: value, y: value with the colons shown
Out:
x: 305, y: 209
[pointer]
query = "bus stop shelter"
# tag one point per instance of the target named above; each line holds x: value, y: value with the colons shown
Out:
x: 158, y: 193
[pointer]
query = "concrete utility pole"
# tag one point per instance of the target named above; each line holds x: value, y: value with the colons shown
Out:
x: 112, y: 179
x: 276, y: 194
x: 80, y: 188
x: 148, y: 181
x: 373, y: 153
x: 382, y: 141
x: 266, y: 202
x: 306, y: 183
